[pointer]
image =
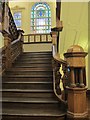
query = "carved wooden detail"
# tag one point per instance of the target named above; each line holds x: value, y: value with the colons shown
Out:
x: 75, y: 57
x: 56, y: 67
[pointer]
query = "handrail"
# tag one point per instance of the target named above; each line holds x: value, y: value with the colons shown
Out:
x: 57, y: 64
x: 17, y: 40
x: 58, y: 59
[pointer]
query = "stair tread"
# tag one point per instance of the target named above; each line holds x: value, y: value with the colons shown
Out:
x: 28, y: 82
x: 30, y: 100
x: 28, y: 76
x: 27, y: 70
x: 33, y: 112
x: 15, y: 79
x: 47, y: 52
x: 27, y: 90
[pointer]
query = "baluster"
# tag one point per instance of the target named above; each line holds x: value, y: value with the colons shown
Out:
x: 57, y: 77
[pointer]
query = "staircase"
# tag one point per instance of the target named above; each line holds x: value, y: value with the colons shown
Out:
x: 27, y: 92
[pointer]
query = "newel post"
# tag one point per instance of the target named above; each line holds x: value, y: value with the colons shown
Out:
x: 77, y: 103
x: 7, y: 44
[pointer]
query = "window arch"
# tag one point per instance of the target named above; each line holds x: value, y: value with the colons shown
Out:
x: 41, y: 18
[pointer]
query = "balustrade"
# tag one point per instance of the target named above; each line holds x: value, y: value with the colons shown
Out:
x: 13, y: 39
x: 37, y: 38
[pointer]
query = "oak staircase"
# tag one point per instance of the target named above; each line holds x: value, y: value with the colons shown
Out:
x: 40, y: 85
x: 28, y: 89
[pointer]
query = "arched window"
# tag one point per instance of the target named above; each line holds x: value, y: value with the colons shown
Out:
x: 41, y: 18
x: 17, y: 19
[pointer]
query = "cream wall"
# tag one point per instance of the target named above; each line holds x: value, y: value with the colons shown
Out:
x: 1, y: 40
x: 25, y: 8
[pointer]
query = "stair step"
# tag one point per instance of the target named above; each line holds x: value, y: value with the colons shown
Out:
x: 36, y: 114
x: 34, y: 65
x: 27, y: 93
x: 21, y: 90
x: 30, y: 100
x: 27, y: 85
x: 43, y: 52
x: 30, y: 104
x: 33, y: 117
x: 28, y: 76
x: 36, y: 73
x: 18, y: 79
x: 36, y: 55
x: 34, y: 58
x: 29, y: 69
x: 33, y: 62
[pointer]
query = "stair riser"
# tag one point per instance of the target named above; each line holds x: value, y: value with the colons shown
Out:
x: 29, y: 76
x: 27, y: 86
x: 33, y: 62
x: 28, y: 94
x: 35, y: 59
x: 36, y: 55
x: 29, y: 53
x: 30, y: 69
x: 7, y: 117
x: 33, y: 65
x: 29, y: 73
x: 16, y: 105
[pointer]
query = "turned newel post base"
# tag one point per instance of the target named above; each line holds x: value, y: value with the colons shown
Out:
x: 77, y: 104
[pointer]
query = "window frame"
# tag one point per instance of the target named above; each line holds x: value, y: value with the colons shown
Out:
x: 45, y: 28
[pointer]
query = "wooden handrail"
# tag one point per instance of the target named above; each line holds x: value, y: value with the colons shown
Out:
x: 37, y: 38
x: 17, y: 40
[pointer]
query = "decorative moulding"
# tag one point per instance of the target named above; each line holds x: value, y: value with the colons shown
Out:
x: 17, y: 8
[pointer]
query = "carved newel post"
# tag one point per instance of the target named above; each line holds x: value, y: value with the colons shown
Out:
x: 77, y: 103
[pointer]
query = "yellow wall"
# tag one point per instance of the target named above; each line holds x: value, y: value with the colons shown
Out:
x: 25, y: 8
x: 1, y: 40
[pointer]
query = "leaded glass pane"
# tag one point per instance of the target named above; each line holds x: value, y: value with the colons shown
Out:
x: 17, y: 19
x: 40, y: 18
x: 17, y: 15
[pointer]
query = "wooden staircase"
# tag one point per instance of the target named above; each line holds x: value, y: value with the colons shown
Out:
x: 28, y: 89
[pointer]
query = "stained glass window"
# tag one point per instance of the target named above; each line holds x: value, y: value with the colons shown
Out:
x: 41, y: 18
x: 17, y: 19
